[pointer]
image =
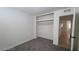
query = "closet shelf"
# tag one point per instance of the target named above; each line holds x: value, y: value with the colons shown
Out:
x: 44, y: 20
x: 45, y: 14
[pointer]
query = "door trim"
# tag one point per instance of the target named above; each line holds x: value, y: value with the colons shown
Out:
x: 72, y: 30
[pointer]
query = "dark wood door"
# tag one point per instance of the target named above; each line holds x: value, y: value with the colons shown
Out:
x: 65, y: 27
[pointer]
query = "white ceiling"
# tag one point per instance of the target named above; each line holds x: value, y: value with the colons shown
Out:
x: 39, y: 10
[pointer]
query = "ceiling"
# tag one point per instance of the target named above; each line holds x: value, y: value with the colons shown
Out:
x: 39, y: 10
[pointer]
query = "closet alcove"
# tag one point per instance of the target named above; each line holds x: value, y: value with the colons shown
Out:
x: 44, y: 25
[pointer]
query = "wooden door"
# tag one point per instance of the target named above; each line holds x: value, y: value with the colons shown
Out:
x: 65, y: 27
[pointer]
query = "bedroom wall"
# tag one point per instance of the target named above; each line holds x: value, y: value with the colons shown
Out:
x: 16, y: 27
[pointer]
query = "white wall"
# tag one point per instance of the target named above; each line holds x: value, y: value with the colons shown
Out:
x: 16, y: 27
x: 35, y: 33
x: 45, y: 28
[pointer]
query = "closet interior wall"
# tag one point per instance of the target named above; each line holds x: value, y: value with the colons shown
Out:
x: 44, y: 26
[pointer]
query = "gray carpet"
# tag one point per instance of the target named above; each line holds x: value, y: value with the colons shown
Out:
x: 38, y: 44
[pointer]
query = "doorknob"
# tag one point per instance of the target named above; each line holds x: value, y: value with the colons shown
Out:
x: 73, y: 36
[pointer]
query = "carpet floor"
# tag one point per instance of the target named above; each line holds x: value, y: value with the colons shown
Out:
x: 38, y: 44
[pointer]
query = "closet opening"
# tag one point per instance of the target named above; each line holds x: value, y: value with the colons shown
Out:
x: 44, y: 26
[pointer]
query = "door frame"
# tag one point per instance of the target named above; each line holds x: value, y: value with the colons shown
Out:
x: 71, y: 27
x: 73, y: 30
